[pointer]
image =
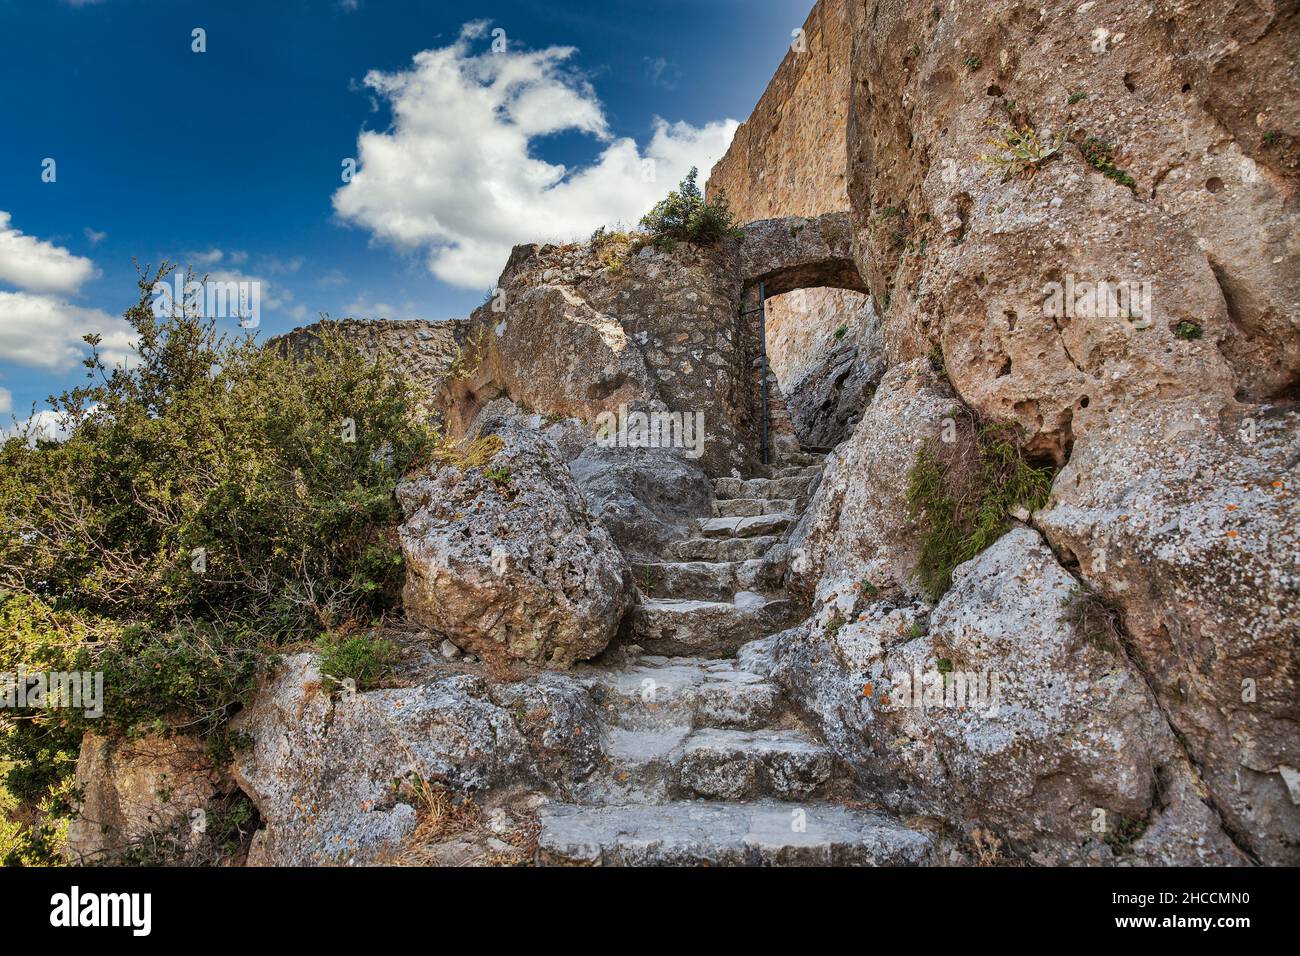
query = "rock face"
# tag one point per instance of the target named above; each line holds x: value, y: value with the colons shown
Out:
x: 135, y: 790
x: 1002, y: 713
x: 1209, y: 221
x: 577, y: 331
x: 1198, y: 548
x: 856, y: 527
x: 1158, y: 188
x: 645, y: 497
x: 335, y: 778
x: 506, y: 560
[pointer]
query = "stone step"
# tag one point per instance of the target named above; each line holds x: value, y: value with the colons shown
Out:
x: 794, y: 488
x: 744, y: 507
x: 695, y: 833
x: 686, y: 692
x: 661, y: 762
x: 705, y: 580
x: 722, y: 764
x: 796, y: 471
x: 721, y: 549
x: 678, y: 628
x: 750, y: 526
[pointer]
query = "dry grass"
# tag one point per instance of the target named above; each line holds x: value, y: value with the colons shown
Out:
x: 469, y: 453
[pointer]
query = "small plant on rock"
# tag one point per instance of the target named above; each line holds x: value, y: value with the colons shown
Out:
x: 1100, y: 155
x: 1020, y: 151
x: 361, y: 658
x: 1188, y: 331
x: 686, y: 216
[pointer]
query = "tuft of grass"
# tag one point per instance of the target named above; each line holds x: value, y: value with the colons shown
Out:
x: 1092, y: 618
x: 1019, y: 151
x: 1100, y: 155
x: 972, y: 62
x: 962, y: 495
x: 1188, y: 331
x: 834, y: 624
x: 867, y: 589
x: 362, y: 658
x: 936, y: 360
x: 1121, y: 836
x: 842, y: 331
x: 1076, y: 98
x: 469, y: 453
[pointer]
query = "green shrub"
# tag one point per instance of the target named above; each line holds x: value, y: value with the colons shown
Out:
x: 685, y: 216
x: 962, y: 494
x: 362, y: 658
x: 218, y: 499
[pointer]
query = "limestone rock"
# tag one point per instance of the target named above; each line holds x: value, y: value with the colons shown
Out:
x: 856, y: 526
x: 334, y: 777
x: 1198, y: 548
x: 645, y: 497
x: 506, y: 560
x: 1055, y: 740
x: 136, y: 789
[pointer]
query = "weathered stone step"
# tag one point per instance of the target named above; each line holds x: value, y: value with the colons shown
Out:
x: 761, y: 487
x: 744, y: 507
x: 751, y: 526
x: 796, y: 471
x: 661, y: 762
x: 736, y: 764
x: 721, y: 549
x: 708, y: 628
x: 686, y: 692
x: 704, y: 580
x: 694, y: 833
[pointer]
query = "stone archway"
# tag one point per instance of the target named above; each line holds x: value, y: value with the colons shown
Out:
x: 797, y: 253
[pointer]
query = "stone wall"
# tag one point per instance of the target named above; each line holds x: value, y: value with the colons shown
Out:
x: 788, y: 159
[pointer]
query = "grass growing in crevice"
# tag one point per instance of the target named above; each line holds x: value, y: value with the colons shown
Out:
x: 1100, y: 155
x: 1092, y: 618
x: 962, y: 494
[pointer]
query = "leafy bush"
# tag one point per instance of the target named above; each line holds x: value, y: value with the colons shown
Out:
x: 685, y: 216
x: 215, y: 500
x: 963, y: 493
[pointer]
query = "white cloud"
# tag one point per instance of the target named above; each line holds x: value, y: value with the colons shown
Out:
x: 95, y: 237
x: 43, y: 332
x: 47, y: 424
x: 6, y: 401
x: 39, y: 266
x: 456, y: 174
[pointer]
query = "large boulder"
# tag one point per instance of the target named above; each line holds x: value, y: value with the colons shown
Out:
x: 1147, y: 186
x: 646, y: 497
x: 504, y: 557
x: 148, y: 794
x: 856, y: 526
x: 338, y: 778
x: 997, y: 710
x: 1198, y: 548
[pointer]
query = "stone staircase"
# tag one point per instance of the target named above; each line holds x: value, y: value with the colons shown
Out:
x: 705, y: 762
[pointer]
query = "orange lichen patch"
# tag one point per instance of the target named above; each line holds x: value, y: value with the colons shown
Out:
x: 866, y: 690
x: 1232, y: 507
x: 1232, y: 534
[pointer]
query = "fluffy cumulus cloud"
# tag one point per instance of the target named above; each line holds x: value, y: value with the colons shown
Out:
x: 44, y: 332
x: 39, y: 328
x: 457, y: 173
x: 39, y: 266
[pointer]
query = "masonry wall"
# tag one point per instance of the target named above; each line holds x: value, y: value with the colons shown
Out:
x: 789, y: 157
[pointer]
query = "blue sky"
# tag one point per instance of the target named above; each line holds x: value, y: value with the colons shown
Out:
x: 231, y: 160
